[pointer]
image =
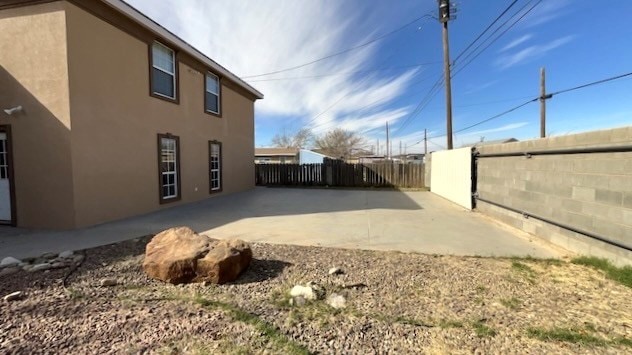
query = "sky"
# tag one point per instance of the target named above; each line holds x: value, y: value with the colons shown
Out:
x: 390, y: 79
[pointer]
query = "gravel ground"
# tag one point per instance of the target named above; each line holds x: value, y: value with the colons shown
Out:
x: 396, y: 303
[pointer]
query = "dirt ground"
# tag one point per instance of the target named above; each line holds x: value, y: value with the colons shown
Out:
x: 395, y: 303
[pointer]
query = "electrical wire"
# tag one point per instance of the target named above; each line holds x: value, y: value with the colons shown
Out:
x: 484, y: 31
x: 498, y: 37
x: 590, y: 84
x: 341, y: 52
x: 347, y: 73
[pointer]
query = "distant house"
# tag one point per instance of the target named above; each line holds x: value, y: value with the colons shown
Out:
x: 288, y: 156
x: 492, y: 142
x: 276, y: 156
x: 310, y: 157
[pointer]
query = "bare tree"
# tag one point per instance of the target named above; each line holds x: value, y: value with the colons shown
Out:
x: 339, y: 143
x: 300, y: 139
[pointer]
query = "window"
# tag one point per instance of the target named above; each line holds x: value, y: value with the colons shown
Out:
x: 211, y: 95
x: 169, y: 167
x: 163, y: 71
x: 215, y: 166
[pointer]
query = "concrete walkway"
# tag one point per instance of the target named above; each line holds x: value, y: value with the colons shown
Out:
x: 380, y: 220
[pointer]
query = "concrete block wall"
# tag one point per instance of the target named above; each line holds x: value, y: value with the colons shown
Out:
x: 591, y: 192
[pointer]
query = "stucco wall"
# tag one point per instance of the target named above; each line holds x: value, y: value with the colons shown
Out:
x: 590, y: 192
x: 116, y: 122
x: 451, y: 175
x: 34, y: 74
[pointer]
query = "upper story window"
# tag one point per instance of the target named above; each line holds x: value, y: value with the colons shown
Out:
x: 211, y: 96
x: 163, y: 71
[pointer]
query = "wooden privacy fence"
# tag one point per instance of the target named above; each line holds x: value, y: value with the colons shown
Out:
x: 335, y: 173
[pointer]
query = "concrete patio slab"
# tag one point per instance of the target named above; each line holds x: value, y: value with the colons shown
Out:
x: 367, y: 219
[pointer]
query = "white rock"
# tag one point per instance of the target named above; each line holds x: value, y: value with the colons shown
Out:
x: 77, y: 258
x: 27, y: 267
x: 40, y: 267
x: 58, y: 265
x: 336, y: 301
x: 108, y: 282
x: 66, y: 254
x: 9, y: 261
x: 305, y: 292
x: 335, y: 271
x: 13, y: 296
x: 297, y: 301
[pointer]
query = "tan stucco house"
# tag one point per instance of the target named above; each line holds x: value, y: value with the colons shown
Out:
x: 104, y: 114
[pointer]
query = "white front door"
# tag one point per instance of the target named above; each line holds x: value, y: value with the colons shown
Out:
x: 5, y: 188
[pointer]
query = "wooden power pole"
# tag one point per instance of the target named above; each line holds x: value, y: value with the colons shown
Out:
x: 444, y: 18
x: 387, y: 142
x: 425, y: 142
x: 542, y: 103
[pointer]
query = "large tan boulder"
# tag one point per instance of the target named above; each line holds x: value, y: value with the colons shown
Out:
x: 179, y: 255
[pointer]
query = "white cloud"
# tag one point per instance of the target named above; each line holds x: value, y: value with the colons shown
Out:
x: 531, y: 52
x: 516, y: 42
x: 252, y: 37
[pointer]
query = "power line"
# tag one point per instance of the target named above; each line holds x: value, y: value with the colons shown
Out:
x: 591, y: 84
x: 346, y: 73
x: 341, y: 52
x: 484, y: 31
x: 497, y: 37
x: 439, y: 83
x: 602, y: 81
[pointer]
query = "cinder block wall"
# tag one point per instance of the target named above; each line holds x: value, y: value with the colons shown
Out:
x: 591, y: 192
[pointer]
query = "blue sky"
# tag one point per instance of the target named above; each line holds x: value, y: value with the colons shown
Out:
x: 578, y: 41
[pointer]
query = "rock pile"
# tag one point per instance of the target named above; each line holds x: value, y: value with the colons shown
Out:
x: 47, y: 261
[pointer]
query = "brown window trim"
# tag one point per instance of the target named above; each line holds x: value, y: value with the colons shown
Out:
x: 14, y: 220
x: 175, y: 100
x: 178, y: 185
x: 221, y: 168
x: 219, y: 101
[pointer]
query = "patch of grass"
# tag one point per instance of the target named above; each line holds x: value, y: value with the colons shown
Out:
x: 545, y: 261
x: 411, y: 321
x: 622, y: 341
x: 511, y: 303
x: 447, y: 323
x: 482, y: 330
x: 622, y: 275
x: 481, y: 288
x: 270, y: 332
x: 568, y: 335
x: 524, y: 270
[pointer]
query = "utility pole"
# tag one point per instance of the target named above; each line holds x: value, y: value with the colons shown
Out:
x: 425, y: 142
x: 387, y: 141
x: 543, y: 98
x: 400, y: 149
x: 377, y: 152
x: 444, y: 17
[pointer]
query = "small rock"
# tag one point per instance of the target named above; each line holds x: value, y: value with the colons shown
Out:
x: 13, y: 296
x: 298, y: 301
x: 78, y: 258
x: 66, y: 254
x: 9, y: 261
x: 108, y: 282
x: 48, y: 256
x: 27, y: 267
x: 336, y: 301
x: 9, y: 271
x: 305, y: 292
x: 58, y: 265
x: 335, y: 271
x: 40, y: 267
